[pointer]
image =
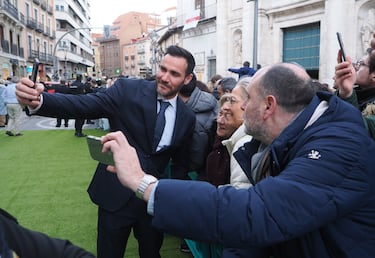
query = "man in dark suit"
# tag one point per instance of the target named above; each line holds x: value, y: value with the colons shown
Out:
x: 131, y: 106
x: 78, y: 88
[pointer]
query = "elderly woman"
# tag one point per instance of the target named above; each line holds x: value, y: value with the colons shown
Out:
x: 221, y: 167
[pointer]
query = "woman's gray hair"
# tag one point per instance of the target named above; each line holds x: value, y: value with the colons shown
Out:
x: 243, y: 83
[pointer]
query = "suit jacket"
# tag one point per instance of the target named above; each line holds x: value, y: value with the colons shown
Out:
x: 130, y: 106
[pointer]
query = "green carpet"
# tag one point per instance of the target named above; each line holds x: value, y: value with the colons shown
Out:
x: 44, y: 176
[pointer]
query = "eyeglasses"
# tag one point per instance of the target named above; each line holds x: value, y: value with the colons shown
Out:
x: 358, y: 64
x: 229, y: 98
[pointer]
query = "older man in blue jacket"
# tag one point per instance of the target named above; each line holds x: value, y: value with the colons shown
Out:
x: 314, y: 171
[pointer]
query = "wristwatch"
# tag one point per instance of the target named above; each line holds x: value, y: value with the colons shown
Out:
x: 145, y: 182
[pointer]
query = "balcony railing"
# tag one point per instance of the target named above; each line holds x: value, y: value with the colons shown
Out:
x: 50, y: 9
x: 10, y: 8
x: 12, y: 49
x: 31, y: 23
x: 52, y: 35
x: 44, y: 5
x: 5, y: 46
x: 39, y: 27
x: 42, y: 56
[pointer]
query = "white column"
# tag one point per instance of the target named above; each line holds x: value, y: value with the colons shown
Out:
x: 222, y: 37
x: 247, y: 31
x: 336, y: 19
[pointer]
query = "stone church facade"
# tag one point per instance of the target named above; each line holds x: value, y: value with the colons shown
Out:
x: 288, y: 31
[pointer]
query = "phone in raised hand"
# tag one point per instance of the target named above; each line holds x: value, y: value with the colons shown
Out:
x: 341, y: 44
x: 34, y: 72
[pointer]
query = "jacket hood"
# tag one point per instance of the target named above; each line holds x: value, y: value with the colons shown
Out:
x: 201, y: 102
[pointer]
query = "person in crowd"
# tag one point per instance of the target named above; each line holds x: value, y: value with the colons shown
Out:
x: 18, y: 241
x: 78, y: 88
x: 132, y: 107
x: 238, y: 178
x: 225, y: 85
x: 356, y: 82
x: 88, y: 89
x: 217, y: 161
x: 245, y: 70
x: 222, y: 168
x: 212, y: 83
x: 204, y: 106
x: 64, y: 89
x: 362, y: 73
x: 14, y: 109
x: 315, y: 193
x: 3, y: 106
x: 202, y: 86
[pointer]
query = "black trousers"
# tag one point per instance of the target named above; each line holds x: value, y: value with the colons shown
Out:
x: 78, y: 124
x: 58, y: 121
x: 114, y: 229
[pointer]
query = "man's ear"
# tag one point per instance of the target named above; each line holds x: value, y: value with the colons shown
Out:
x: 188, y: 78
x: 270, y: 105
x: 372, y: 78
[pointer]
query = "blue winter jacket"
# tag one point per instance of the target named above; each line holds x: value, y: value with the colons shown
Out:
x: 243, y: 71
x: 319, y: 201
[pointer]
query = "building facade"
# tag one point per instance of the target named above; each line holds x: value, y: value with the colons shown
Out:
x: 73, y: 50
x: 27, y: 32
x: 287, y: 31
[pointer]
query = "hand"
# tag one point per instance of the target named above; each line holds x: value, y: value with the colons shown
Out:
x: 28, y: 95
x: 127, y: 165
x: 345, y: 76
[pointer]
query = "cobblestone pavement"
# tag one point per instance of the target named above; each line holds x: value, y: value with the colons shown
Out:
x: 46, y: 123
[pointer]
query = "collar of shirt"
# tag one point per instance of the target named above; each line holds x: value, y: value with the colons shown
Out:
x: 172, y: 101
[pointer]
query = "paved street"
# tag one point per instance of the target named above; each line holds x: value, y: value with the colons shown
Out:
x: 45, y: 123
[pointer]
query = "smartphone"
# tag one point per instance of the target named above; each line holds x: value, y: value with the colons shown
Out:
x: 95, y: 149
x: 339, y: 39
x: 34, y: 72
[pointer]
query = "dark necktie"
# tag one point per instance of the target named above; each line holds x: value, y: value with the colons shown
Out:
x: 160, y: 123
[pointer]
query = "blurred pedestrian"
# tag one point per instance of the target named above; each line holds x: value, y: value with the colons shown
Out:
x: 245, y: 70
x: 14, y: 109
x: 3, y: 107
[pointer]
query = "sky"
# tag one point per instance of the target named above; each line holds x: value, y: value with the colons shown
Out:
x: 104, y: 12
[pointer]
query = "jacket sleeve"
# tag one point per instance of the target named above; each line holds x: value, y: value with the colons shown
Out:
x: 238, y: 178
x: 308, y: 194
x: 32, y: 244
x: 234, y: 70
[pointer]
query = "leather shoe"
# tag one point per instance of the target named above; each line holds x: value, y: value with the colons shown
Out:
x: 80, y: 135
x: 9, y: 133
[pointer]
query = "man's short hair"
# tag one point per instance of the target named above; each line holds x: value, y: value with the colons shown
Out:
x: 246, y: 63
x: 187, y: 89
x: 182, y: 52
x: 227, y: 84
x: 292, y: 92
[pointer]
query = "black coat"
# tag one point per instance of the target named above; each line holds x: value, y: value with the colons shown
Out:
x: 130, y: 106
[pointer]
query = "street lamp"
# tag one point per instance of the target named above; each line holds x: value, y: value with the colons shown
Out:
x: 154, y: 49
x: 55, y: 60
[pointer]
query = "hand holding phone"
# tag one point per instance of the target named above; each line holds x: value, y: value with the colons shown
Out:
x: 95, y: 147
x: 339, y: 39
x: 34, y: 72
